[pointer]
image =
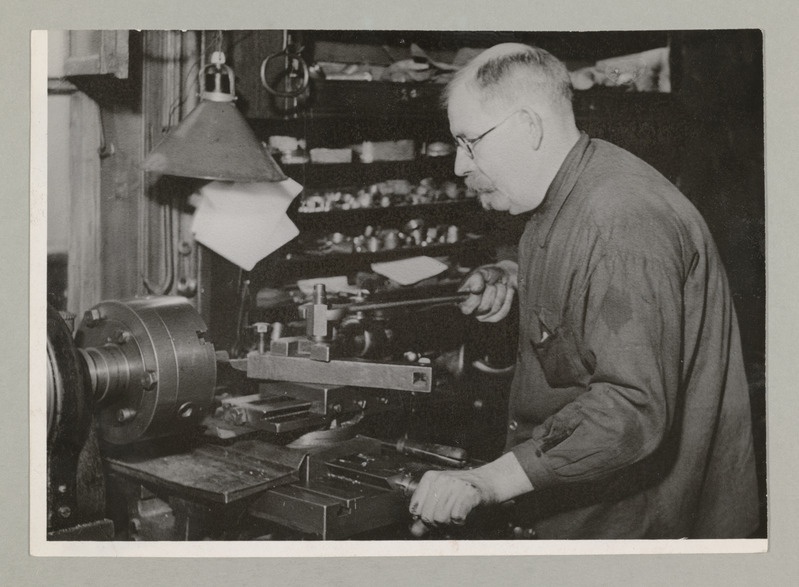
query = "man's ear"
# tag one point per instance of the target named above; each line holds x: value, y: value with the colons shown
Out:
x: 533, y: 126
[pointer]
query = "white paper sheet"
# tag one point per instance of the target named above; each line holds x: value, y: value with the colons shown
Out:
x: 245, y: 222
x: 411, y: 270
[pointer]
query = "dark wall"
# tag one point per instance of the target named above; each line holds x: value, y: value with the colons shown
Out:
x: 719, y: 82
x: 718, y: 77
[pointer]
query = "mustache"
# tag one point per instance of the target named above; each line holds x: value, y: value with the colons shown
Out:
x: 477, y: 187
x: 485, y: 203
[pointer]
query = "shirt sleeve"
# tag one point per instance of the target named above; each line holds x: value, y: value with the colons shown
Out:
x: 626, y: 326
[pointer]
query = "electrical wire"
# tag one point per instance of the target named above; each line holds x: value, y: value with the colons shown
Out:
x: 166, y: 238
x: 242, y: 318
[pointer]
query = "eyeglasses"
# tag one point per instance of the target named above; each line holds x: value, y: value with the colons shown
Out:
x: 468, y: 144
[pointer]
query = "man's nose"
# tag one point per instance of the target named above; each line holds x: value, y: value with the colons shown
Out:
x: 463, y: 163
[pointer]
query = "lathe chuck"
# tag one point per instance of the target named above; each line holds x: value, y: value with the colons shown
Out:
x: 149, y: 365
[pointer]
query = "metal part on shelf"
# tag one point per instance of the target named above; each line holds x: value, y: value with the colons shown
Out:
x: 149, y: 365
x: 386, y: 194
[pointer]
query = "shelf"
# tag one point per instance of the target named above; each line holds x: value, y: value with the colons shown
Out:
x: 339, y: 259
x: 452, y: 212
x: 378, y: 98
x: 590, y: 45
x: 337, y: 176
x: 356, y: 126
x: 339, y: 114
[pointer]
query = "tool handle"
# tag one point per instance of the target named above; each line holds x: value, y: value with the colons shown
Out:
x: 439, y: 453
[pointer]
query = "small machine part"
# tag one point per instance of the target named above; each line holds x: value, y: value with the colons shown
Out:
x: 262, y: 329
x: 272, y: 413
x: 405, y: 482
x: 149, y: 365
x: 281, y: 407
x: 317, y: 327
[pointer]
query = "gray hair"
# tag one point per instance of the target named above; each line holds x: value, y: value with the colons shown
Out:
x: 512, y: 72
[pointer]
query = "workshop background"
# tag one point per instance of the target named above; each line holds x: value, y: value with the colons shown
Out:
x: 355, y: 118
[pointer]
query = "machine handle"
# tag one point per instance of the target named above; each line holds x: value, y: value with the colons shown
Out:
x: 367, y: 306
x: 438, y: 453
x: 404, y: 482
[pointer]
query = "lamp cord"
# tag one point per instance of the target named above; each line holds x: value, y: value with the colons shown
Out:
x: 169, y: 263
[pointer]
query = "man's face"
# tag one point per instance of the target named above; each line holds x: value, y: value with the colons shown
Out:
x: 503, y: 169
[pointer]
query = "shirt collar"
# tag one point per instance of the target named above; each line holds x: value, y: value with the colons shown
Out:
x: 561, y: 187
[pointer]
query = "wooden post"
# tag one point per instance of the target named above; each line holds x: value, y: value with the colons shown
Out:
x: 84, y: 269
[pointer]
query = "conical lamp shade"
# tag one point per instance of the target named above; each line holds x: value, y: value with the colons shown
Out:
x: 214, y: 142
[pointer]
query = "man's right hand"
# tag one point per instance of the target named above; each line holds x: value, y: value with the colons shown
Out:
x: 492, y: 288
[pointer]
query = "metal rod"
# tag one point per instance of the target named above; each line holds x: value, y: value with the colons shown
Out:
x: 366, y: 306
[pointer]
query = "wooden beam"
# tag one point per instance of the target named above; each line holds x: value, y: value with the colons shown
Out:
x: 84, y: 281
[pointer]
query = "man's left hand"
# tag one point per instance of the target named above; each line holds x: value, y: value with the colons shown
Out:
x: 447, y: 497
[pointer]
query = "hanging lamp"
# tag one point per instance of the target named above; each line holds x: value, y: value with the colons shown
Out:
x: 214, y: 141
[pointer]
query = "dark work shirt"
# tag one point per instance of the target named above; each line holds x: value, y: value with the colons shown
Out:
x: 629, y: 409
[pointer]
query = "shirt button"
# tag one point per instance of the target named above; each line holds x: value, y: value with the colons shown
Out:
x: 513, y: 425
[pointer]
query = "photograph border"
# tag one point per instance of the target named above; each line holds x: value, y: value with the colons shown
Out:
x: 37, y: 215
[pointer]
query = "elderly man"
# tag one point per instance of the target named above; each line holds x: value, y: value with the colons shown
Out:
x: 629, y: 412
